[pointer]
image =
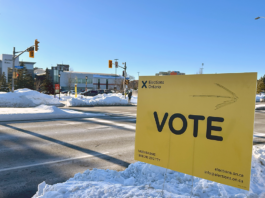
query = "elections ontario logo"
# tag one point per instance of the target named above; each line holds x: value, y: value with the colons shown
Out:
x: 152, y: 84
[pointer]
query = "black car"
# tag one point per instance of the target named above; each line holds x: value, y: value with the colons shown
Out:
x: 106, y: 91
x: 64, y: 91
x: 91, y: 93
x: 100, y: 91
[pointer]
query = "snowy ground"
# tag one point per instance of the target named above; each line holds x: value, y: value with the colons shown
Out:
x: 100, y: 99
x: 40, y: 112
x: 31, y: 98
x: 146, y: 180
x: 26, y: 98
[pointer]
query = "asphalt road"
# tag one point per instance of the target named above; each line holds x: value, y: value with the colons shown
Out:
x: 55, y: 150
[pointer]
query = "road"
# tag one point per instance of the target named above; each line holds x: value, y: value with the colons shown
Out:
x: 55, y: 150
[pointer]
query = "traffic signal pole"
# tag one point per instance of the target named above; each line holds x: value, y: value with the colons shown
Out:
x: 124, y: 79
x: 13, y: 61
x: 116, y: 66
x: 31, y: 48
x: 13, y: 68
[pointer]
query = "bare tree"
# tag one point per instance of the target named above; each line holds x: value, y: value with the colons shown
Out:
x: 131, y: 78
x: 133, y: 84
x: 70, y: 79
x: 38, y: 84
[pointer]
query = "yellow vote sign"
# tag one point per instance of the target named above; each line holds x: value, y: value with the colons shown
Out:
x: 201, y: 125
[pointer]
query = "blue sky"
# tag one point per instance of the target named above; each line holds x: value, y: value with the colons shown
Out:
x: 149, y: 35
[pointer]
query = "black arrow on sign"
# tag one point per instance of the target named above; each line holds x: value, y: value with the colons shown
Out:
x: 233, y: 97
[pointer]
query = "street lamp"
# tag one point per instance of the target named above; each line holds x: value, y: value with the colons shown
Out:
x: 86, y: 83
x: 59, y: 75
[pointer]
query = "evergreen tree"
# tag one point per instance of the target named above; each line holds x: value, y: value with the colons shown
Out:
x: 47, y: 83
x: 3, y: 83
x: 261, y: 84
x: 23, y: 78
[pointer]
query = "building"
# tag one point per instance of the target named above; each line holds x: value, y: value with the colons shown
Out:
x: 169, y: 73
x: 6, y: 65
x: 94, y: 81
x: 68, y: 79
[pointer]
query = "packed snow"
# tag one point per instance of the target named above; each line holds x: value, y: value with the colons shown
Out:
x: 100, y: 99
x: 41, y: 112
x: 26, y: 98
x: 30, y: 98
x: 146, y: 180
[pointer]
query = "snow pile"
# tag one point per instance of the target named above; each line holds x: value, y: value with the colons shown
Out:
x: 146, y: 180
x: 260, y: 107
x: 26, y: 98
x: 100, y: 99
x: 134, y: 99
x: 40, y: 112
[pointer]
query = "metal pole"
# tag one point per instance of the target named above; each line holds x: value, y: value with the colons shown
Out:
x: 13, y: 68
x: 59, y: 87
x: 124, y: 79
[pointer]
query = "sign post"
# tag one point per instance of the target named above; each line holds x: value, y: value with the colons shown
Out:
x: 57, y: 88
x: 201, y: 125
x: 75, y: 90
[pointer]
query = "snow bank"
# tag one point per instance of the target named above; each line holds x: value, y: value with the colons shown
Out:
x: 260, y: 107
x: 26, y: 98
x: 100, y: 99
x: 40, y: 112
x: 134, y: 99
x: 146, y: 180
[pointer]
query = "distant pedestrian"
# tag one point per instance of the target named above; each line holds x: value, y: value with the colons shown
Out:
x: 130, y: 96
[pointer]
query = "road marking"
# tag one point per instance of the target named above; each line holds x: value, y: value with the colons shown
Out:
x: 52, y: 162
x: 112, y: 123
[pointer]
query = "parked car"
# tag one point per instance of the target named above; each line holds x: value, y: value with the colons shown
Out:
x: 72, y: 91
x: 82, y: 93
x: 100, y: 91
x: 64, y: 91
x: 91, y: 93
x: 106, y: 91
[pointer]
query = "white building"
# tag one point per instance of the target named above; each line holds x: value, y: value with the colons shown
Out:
x: 6, y: 65
x: 68, y: 80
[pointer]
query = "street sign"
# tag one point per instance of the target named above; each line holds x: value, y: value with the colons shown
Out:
x: 201, y: 125
x: 57, y: 88
x: 19, y: 67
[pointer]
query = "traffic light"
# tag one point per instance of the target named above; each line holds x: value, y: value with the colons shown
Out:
x: 36, y: 45
x: 110, y: 63
x: 31, y: 54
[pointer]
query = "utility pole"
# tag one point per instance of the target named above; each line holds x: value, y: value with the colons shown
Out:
x: 124, y: 79
x: 138, y: 75
x: 31, y: 55
x: 116, y: 66
x: 13, y: 68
